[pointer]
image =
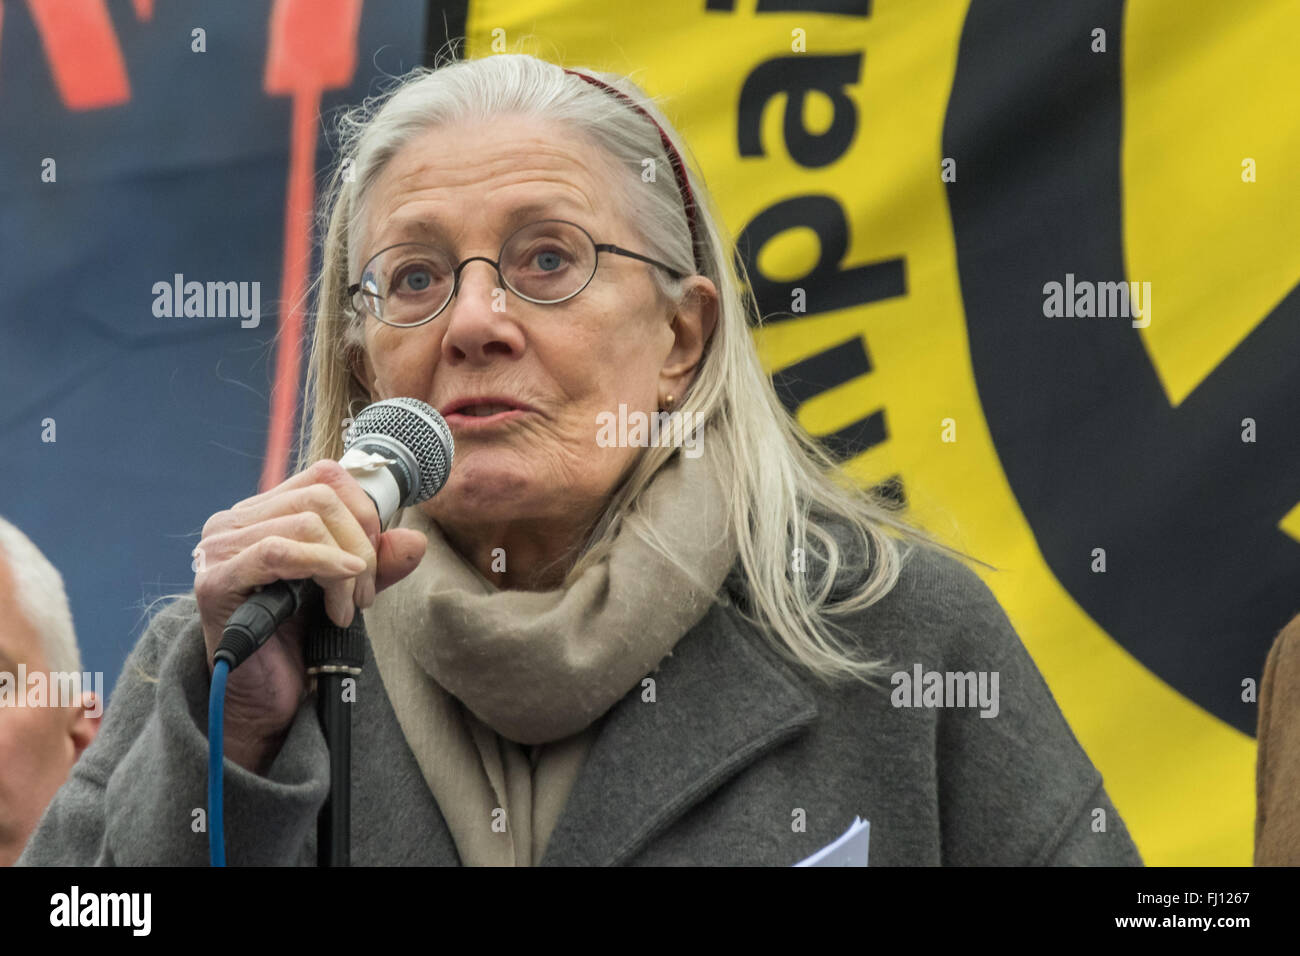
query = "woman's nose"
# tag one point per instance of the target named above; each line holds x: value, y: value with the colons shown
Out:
x: 479, y: 324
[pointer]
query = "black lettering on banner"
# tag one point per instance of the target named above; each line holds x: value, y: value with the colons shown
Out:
x: 828, y: 286
x: 808, y: 378
x: 796, y: 77
x: 848, y: 8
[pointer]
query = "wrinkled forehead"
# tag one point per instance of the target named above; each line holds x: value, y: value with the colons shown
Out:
x: 479, y: 182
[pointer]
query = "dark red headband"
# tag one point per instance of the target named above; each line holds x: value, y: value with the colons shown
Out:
x: 679, y: 168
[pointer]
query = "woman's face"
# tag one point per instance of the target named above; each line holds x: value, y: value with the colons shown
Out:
x: 618, y: 342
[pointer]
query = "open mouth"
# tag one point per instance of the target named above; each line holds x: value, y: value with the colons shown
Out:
x: 482, y: 410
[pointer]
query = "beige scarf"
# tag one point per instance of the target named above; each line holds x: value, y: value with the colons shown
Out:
x: 473, y: 672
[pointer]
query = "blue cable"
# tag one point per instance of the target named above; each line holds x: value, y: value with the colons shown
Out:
x: 216, y: 755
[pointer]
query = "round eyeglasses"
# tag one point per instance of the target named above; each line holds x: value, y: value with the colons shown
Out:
x: 545, y: 262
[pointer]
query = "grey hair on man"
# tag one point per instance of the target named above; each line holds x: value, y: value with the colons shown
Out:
x: 48, y: 714
x: 40, y: 596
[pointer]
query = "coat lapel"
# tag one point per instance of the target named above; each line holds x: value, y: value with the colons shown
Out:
x: 721, y: 703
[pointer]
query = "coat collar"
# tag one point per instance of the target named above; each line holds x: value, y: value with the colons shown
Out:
x: 721, y: 704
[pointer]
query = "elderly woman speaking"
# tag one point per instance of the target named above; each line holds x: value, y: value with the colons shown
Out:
x: 589, y: 647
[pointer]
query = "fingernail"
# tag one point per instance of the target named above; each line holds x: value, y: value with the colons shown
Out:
x: 340, y: 607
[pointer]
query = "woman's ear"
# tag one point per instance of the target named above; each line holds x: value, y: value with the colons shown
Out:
x: 693, y: 325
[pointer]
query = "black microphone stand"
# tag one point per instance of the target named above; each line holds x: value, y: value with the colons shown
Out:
x: 334, y: 656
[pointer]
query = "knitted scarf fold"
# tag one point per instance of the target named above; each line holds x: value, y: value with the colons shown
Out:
x: 474, y: 672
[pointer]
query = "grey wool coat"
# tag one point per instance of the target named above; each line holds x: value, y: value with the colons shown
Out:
x: 742, y: 759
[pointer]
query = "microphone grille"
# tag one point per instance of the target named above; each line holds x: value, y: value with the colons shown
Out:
x: 417, y: 426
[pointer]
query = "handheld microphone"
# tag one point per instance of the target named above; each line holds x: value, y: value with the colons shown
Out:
x: 399, y: 450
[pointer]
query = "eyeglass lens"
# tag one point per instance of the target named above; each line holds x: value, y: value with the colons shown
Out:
x: 547, y: 261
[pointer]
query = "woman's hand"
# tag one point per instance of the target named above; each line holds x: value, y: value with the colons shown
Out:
x: 319, y: 524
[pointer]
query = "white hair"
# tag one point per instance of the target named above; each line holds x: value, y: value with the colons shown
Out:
x: 38, y: 592
x: 786, y: 492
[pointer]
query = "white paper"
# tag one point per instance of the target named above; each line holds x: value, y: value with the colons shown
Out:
x: 849, y: 850
x: 358, y: 462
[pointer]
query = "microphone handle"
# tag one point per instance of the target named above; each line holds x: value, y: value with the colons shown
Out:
x: 260, y: 616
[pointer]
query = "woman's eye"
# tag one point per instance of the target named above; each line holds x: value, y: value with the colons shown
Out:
x: 414, y: 279
x: 549, y: 260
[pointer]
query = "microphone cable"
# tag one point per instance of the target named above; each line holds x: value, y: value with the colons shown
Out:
x: 239, y: 641
x: 216, y: 758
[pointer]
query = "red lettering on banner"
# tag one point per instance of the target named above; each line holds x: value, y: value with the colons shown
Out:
x: 82, y: 48
x: 312, y: 48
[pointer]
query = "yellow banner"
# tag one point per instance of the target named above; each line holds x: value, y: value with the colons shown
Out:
x: 1219, y: 249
